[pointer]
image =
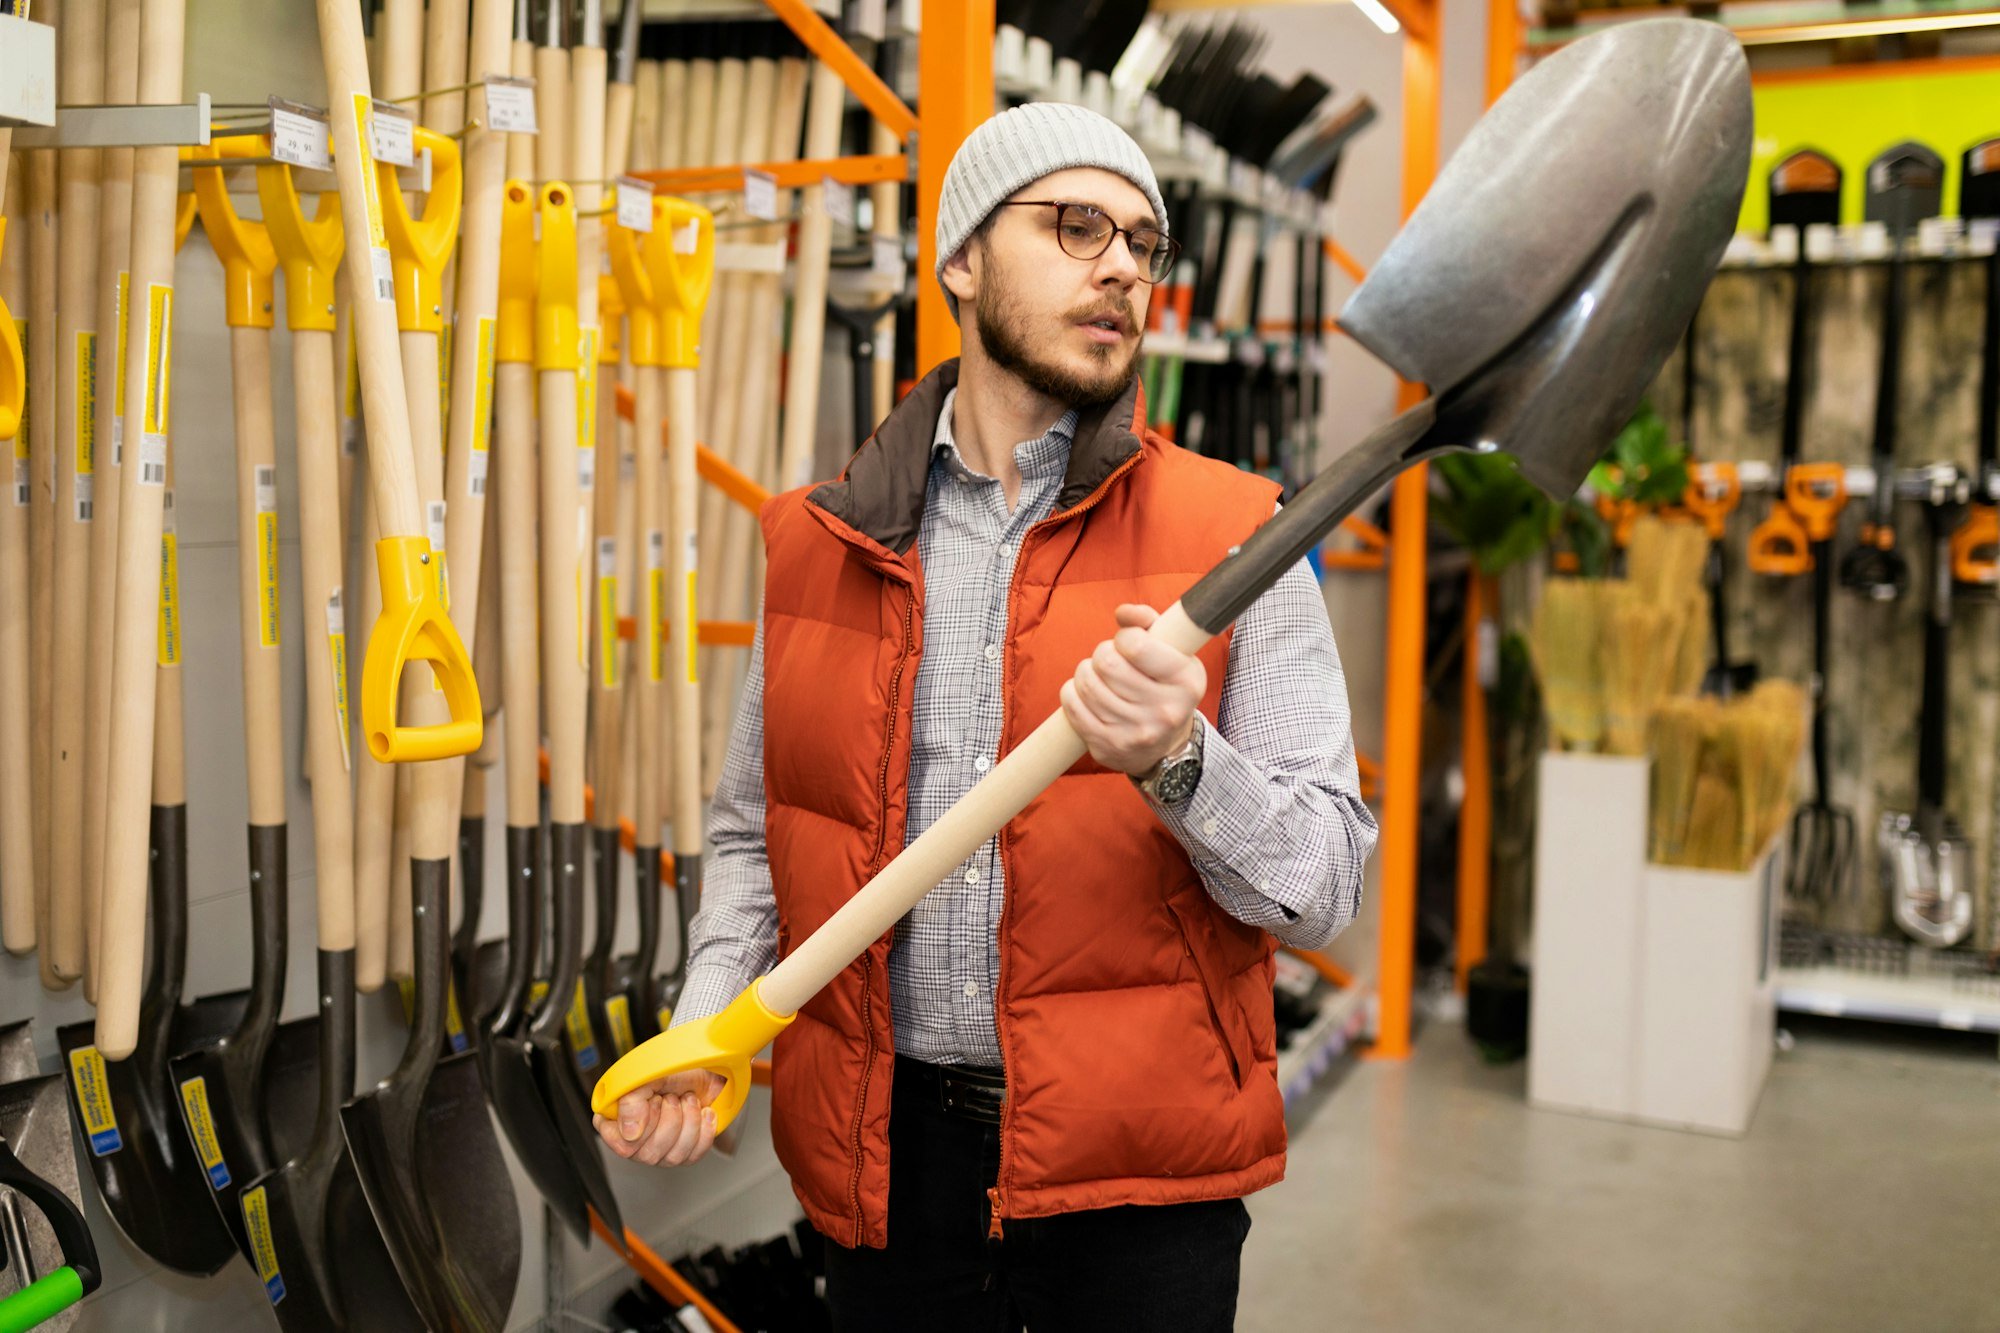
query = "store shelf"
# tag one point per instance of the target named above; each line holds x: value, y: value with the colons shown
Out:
x: 1314, y: 1048
x: 1831, y: 992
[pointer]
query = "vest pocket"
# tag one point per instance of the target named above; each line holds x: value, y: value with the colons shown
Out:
x: 1235, y: 1043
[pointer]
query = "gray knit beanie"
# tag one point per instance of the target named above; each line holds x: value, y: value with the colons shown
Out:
x: 1021, y: 146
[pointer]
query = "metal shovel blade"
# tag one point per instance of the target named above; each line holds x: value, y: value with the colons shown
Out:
x: 127, y: 1111
x: 1927, y: 870
x: 1602, y: 188
x: 426, y: 1155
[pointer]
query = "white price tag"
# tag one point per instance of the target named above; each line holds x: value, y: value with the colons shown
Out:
x: 635, y: 205
x: 152, y: 459
x: 586, y: 467
x: 392, y: 135
x: 84, y: 491
x: 839, y: 196
x: 434, y: 524
x: 299, y: 135
x: 22, y: 487
x: 384, y: 270
x: 888, y: 257
x: 607, y: 557
x: 687, y: 238
x: 760, y: 195
x: 510, y: 104
x: 476, y: 474
x: 117, y: 441
x: 267, y: 489
x: 691, y: 552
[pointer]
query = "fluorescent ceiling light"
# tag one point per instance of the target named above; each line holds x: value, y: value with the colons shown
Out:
x: 1378, y: 15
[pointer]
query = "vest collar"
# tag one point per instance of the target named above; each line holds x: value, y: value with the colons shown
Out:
x: 881, y: 493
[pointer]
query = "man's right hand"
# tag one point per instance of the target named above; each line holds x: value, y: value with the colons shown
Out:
x: 665, y: 1123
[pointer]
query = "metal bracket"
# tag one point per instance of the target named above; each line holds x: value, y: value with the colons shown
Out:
x: 27, y: 73
x: 168, y: 125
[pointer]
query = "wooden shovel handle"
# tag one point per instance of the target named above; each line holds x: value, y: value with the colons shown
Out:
x: 17, y: 825
x: 258, y: 573
x: 683, y: 546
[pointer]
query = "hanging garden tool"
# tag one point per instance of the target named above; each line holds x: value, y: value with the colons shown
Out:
x: 306, y: 1216
x: 222, y: 1087
x: 1713, y: 492
x: 1975, y: 547
x: 51, y: 1258
x: 521, y: 1052
x: 423, y: 1145
x: 682, y: 274
x: 128, y: 1111
x: 17, y: 777
x: 1533, y: 350
x: 81, y: 78
x: 1926, y: 857
x: 1904, y: 186
x: 1797, y: 536
x: 114, y: 255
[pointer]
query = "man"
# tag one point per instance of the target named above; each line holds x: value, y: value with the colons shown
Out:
x: 1072, y: 1037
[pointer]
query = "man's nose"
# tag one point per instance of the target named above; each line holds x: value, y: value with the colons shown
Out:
x: 1116, y: 267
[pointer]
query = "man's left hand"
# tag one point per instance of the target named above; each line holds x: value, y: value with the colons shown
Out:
x: 1133, y: 700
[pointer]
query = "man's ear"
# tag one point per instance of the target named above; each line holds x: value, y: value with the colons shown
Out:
x: 959, y: 278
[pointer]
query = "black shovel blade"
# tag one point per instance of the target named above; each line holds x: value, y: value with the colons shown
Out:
x: 222, y: 1087
x: 286, y: 1213
x: 508, y: 1067
x: 426, y: 1157
x: 127, y: 1111
x: 1564, y: 247
x: 633, y: 1014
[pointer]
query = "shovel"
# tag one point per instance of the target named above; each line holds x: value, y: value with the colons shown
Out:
x: 51, y: 1259
x: 1533, y: 338
x: 1975, y: 547
x: 563, y: 1164
x: 223, y: 1087
x: 1926, y: 857
x: 1904, y: 185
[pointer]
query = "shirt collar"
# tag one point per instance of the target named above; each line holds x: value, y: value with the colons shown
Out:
x: 1047, y: 455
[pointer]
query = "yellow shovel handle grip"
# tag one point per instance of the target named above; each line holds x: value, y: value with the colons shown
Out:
x: 636, y: 292
x: 413, y: 625
x: 419, y: 247
x: 556, y: 329
x: 243, y: 246
x: 681, y: 274
x: 308, y: 250
x: 514, y: 338
x: 724, y: 1045
x: 13, y: 367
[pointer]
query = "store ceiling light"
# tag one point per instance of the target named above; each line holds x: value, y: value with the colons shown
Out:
x: 1379, y: 15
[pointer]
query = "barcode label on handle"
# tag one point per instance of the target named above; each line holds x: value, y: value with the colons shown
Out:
x: 84, y: 508
x: 152, y: 460
x: 267, y: 488
x: 476, y: 473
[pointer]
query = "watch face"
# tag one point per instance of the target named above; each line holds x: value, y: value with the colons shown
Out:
x: 1178, y: 779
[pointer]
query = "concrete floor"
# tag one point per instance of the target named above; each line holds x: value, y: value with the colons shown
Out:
x: 1430, y: 1196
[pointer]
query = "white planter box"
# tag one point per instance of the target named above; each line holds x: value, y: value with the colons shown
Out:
x: 1653, y: 995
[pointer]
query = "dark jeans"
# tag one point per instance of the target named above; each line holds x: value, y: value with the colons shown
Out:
x: 1173, y: 1267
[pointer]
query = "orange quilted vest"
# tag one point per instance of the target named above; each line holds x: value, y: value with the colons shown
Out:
x: 1134, y: 1014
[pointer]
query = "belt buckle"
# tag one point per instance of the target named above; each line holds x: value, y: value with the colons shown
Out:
x: 961, y: 1096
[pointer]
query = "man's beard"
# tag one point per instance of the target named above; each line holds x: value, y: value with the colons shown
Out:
x: 1001, y: 333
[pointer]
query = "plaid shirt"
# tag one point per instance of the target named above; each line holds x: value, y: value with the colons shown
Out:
x: 1276, y: 828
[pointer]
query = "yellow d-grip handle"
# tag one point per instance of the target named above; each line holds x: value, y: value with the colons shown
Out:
x: 514, y: 338
x: 308, y: 251
x: 723, y: 1045
x: 243, y: 246
x: 611, y: 314
x: 420, y: 246
x: 556, y: 331
x: 629, y: 265
x: 681, y: 274
x: 413, y: 625
x: 13, y: 367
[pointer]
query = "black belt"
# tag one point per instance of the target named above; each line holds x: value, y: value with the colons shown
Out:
x: 966, y: 1091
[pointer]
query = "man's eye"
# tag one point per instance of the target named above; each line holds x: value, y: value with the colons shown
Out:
x: 1144, y: 243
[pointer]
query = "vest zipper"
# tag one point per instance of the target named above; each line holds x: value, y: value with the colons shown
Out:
x: 868, y: 959
x: 994, y: 1230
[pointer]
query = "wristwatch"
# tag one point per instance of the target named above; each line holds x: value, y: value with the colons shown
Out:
x: 1175, y: 777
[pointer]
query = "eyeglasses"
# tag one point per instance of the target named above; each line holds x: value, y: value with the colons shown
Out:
x: 1085, y: 232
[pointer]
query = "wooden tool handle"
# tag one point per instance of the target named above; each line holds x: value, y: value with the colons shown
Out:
x: 18, y: 925
x: 399, y: 49
x: 651, y: 653
x: 522, y: 148
x: 516, y: 480
x: 674, y: 116
x: 39, y: 234
x: 258, y: 574
x: 815, y: 252
x: 552, y: 113
x: 329, y: 756
x: 135, y: 647
x: 565, y: 531
x: 682, y: 549
x: 444, y: 66
x: 374, y: 803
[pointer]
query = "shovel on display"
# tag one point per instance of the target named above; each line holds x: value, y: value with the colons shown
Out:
x: 1975, y: 547
x: 51, y: 1261
x: 1926, y: 857
x: 1534, y: 338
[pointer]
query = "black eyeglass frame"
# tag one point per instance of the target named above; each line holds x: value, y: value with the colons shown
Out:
x: 1169, y: 247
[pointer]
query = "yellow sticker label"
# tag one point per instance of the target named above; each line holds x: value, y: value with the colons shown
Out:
x: 267, y: 580
x: 263, y: 1248
x: 93, y: 1101
x: 21, y: 433
x: 86, y: 403
x: 454, y: 1025
x: 353, y: 395
x: 124, y: 309
x: 656, y: 619
x: 160, y: 340
x: 169, y: 635
x: 693, y: 676
x: 336, y: 642
x: 201, y: 1128
x: 607, y: 612
x: 581, y: 1039
x: 618, y: 1016
x: 371, y: 191
x: 665, y: 1016
x: 482, y: 405
x: 537, y: 993
x: 444, y: 381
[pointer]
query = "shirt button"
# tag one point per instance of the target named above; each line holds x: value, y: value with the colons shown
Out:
x: 971, y: 989
x: 972, y: 874
x: 1208, y: 827
x: 992, y: 652
x: 982, y: 763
